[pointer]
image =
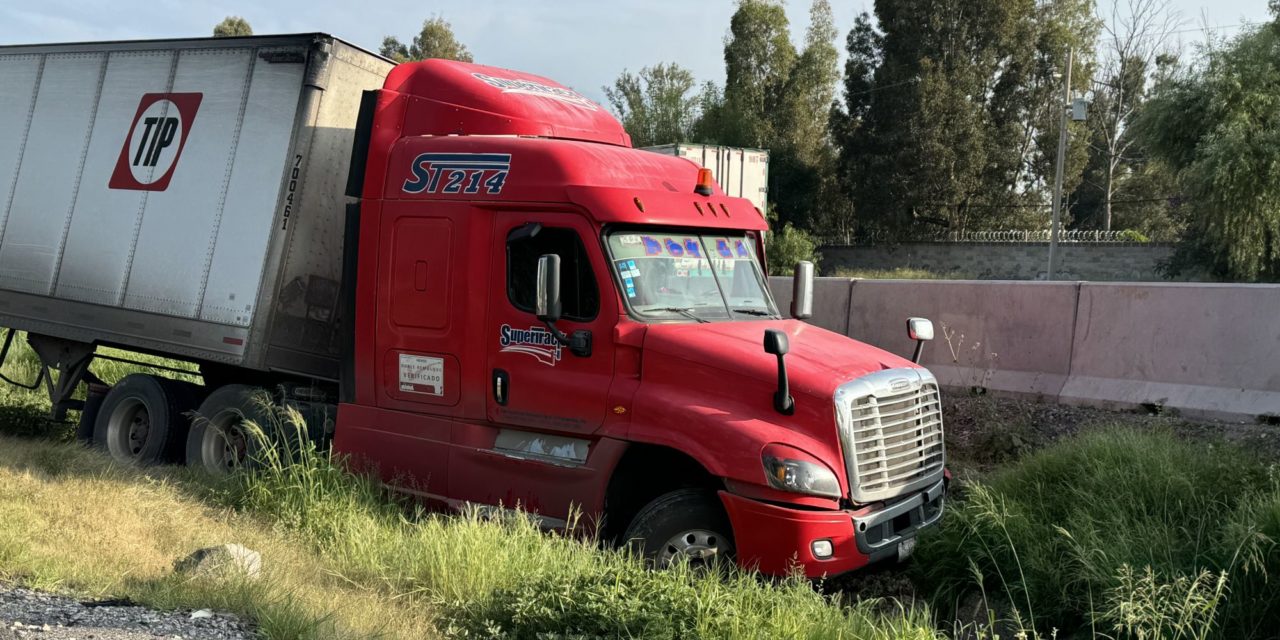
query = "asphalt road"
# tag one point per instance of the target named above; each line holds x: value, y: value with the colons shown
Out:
x: 32, y: 615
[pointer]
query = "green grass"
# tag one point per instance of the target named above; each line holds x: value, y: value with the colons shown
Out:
x: 502, y: 577
x: 901, y: 273
x: 345, y: 560
x: 1119, y: 532
x: 26, y: 411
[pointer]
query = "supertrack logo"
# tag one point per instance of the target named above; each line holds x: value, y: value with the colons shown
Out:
x: 534, y: 88
x: 534, y: 341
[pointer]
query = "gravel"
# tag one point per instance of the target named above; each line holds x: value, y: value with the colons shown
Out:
x: 33, y: 615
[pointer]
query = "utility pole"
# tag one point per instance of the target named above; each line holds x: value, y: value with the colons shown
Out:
x: 1057, y: 173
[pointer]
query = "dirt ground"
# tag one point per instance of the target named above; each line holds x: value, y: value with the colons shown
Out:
x: 983, y: 431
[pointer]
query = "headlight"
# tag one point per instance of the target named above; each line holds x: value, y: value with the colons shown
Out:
x: 785, y: 471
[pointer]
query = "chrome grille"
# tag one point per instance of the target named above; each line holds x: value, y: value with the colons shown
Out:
x: 891, y: 431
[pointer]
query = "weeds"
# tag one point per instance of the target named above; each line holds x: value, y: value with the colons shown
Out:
x: 1116, y: 533
x: 1060, y: 535
x: 1144, y: 607
x: 978, y: 366
x: 501, y: 576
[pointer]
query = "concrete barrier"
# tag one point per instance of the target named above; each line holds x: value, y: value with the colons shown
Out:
x: 830, y: 301
x: 1008, y: 336
x: 1210, y: 350
x: 1206, y: 350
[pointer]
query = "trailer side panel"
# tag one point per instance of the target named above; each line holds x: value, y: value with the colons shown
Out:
x: 148, y: 191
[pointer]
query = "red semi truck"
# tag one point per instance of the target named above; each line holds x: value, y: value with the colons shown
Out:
x: 490, y: 294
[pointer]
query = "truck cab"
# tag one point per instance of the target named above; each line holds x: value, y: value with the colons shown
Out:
x: 546, y: 319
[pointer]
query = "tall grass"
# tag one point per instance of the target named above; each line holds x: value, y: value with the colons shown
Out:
x: 501, y: 576
x: 1117, y: 533
x: 25, y: 412
x: 1121, y: 532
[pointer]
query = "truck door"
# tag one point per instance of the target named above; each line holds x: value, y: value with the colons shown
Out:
x: 543, y: 402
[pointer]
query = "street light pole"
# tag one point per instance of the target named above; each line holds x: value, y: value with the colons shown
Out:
x: 1057, y: 173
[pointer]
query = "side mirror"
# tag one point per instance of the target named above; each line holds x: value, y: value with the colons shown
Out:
x: 546, y: 306
x: 776, y: 343
x: 802, y: 291
x: 547, y: 300
x: 920, y: 330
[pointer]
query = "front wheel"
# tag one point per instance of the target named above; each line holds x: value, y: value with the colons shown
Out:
x: 687, y: 523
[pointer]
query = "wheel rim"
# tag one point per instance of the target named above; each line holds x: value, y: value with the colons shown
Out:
x: 129, y: 429
x: 139, y: 429
x: 700, y: 546
x: 225, y: 443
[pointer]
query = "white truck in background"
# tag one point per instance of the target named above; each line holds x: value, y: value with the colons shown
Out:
x: 742, y: 173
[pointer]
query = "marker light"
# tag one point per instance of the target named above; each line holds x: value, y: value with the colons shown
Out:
x: 821, y: 549
x: 706, y: 183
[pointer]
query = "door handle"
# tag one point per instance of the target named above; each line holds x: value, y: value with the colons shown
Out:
x: 501, y: 386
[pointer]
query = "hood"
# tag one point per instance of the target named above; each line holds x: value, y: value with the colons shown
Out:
x: 707, y: 389
x: 818, y: 362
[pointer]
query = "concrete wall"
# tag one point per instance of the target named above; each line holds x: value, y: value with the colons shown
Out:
x: 1006, y: 260
x: 1207, y: 350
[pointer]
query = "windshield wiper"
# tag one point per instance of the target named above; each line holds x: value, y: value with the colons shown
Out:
x: 753, y: 312
x: 684, y: 311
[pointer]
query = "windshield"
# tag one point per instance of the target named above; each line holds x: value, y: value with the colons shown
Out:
x: 673, y: 276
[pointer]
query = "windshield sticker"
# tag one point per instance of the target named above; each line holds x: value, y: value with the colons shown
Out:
x: 739, y: 248
x: 534, y: 341
x: 676, y: 248
x: 458, y: 173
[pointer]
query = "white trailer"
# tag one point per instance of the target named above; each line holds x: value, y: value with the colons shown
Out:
x: 181, y: 196
x: 742, y: 173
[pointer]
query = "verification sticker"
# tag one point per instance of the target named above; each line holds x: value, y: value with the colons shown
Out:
x: 422, y: 374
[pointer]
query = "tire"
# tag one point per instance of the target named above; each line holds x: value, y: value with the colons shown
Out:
x: 216, y: 442
x: 687, y: 522
x: 144, y: 419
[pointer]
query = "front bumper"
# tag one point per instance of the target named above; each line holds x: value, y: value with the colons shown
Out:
x: 777, y: 540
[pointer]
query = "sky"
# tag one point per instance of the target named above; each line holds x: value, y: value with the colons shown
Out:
x: 584, y: 44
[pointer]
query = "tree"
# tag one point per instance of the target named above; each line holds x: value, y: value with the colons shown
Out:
x: 1132, y: 39
x: 787, y: 245
x: 656, y: 105
x: 1218, y: 127
x: 806, y: 190
x: 435, y: 40
x: 777, y: 98
x: 758, y: 57
x: 951, y: 110
x: 231, y: 27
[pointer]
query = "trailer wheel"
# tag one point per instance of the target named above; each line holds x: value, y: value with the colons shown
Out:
x: 143, y: 419
x: 218, y: 442
x: 687, y: 523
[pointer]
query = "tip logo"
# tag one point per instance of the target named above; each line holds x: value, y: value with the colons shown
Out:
x: 155, y: 141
